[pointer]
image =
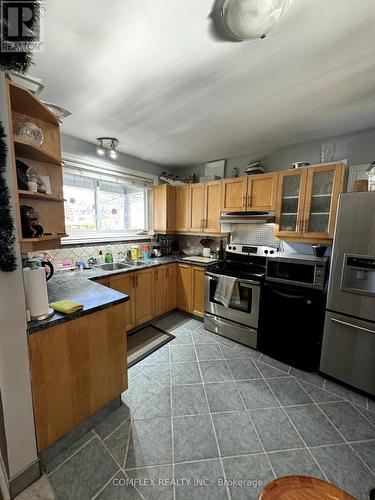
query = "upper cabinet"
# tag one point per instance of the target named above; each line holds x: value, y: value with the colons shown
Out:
x: 205, y: 207
x: 234, y: 194
x: 253, y: 192
x: 307, y: 202
x: 212, y: 207
x: 189, y: 208
x: 44, y: 154
x: 164, y: 208
x: 261, y: 192
x: 182, y: 208
x: 196, y: 207
x: 324, y: 184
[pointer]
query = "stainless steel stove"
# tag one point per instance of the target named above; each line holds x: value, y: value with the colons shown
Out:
x: 239, y: 321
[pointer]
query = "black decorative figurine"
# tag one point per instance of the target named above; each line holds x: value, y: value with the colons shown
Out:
x: 29, y: 219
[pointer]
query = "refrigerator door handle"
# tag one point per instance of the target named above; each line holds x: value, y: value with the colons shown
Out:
x: 352, y: 326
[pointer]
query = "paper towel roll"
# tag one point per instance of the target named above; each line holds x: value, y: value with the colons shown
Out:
x: 36, y: 291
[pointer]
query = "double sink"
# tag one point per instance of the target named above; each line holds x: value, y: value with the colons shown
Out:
x: 114, y: 266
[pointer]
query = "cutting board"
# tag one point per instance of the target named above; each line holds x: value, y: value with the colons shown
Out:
x: 198, y: 258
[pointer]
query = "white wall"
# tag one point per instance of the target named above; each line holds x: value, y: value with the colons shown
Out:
x: 358, y: 148
x: 14, y: 362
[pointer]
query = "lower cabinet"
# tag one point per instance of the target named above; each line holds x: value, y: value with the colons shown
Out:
x: 155, y: 291
x: 184, y: 287
x: 140, y: 288
x: 197, y: 300
x: 76, y: 368
x: 165, y: 289
x: 125, y: 283
x: 144, y: 296
x: 190, y: 288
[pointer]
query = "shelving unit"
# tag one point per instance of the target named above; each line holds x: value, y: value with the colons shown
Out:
x: 39, y: 196
x: 47, y: 161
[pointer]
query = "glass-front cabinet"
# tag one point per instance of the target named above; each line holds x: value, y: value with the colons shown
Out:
x: 292, y: 185
x: 307, y: 202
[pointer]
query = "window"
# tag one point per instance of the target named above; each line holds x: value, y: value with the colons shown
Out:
x: 105, y: 207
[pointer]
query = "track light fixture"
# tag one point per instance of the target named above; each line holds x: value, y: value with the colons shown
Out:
x: 109, y: 145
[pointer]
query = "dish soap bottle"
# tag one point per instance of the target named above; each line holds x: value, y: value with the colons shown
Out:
x: 100, y: 257
x: 108, y: 257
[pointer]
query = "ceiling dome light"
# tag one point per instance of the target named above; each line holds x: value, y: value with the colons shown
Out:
x: 239, y: 20
x: 109, y: 145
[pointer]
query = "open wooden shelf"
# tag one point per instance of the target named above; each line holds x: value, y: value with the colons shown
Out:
x: 39, y: 196
x: 24, y: 149
x: 42, y: 243
x: 24, y: 101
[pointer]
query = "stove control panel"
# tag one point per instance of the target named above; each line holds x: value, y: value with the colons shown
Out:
x: 260, y: 251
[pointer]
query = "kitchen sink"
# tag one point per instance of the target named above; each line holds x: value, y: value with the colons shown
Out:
x: 113, y: 266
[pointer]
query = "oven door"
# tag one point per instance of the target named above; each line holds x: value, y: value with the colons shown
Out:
x: 245, y: 312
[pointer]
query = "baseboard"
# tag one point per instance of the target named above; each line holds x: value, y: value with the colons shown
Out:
x: 24, y: 479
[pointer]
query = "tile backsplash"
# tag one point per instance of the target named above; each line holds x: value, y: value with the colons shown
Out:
x: 70, y: 254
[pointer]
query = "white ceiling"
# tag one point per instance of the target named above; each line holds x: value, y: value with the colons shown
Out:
x: 150, y: 73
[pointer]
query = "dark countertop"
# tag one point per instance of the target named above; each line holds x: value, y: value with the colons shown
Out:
x: 80, y: 287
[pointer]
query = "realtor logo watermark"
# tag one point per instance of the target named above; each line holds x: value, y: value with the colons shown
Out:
x: 22, y: 26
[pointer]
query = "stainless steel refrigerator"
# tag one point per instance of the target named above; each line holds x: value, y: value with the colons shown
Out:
x: 348, y: 351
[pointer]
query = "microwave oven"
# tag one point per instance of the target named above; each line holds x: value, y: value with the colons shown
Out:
x: 298, y: 270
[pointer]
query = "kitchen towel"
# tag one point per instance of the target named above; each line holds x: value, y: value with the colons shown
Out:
x: 66, y: 306
x: 224, y: 290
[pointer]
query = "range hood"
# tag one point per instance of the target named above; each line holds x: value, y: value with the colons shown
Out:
x: 247, y: 217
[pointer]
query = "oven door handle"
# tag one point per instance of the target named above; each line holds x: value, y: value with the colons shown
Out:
x: 288, y: 295
x: 239, y: 280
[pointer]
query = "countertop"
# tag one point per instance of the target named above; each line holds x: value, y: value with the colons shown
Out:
x: 80, y: 286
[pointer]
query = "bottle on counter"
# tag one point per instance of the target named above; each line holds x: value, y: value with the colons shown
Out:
x: 100, y: 257
x: 135, y: 252
x: 108, y: 258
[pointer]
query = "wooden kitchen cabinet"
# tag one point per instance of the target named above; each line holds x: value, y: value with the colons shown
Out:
x: 205, y: 207
x: 323, y: 186
x: 198, y: 296
x: 212, y: 206
x: 190, y: 288
x: 184, y: 283
x: 164, y: 208
x: 144, y: 296
x: 234, y: 194
x: 165, y: 289
x: 196, y: 207
x: 125, y: 283
x: 171, y: 271
x: 306, y: 203
x: 253, y: 192
x: 261, y: 192
x: 160, y: 290
x: 182, y: 208
x: 76, y: 368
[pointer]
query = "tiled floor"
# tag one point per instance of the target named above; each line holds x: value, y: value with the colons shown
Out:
x: 203, y: 413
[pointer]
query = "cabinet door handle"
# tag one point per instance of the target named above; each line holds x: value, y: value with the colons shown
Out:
x: 244, y: 201
x: 248, y: 201
x: 156, y: 275
x: 300, y: 226
x: 306, y: 225
x: 167, y: 273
